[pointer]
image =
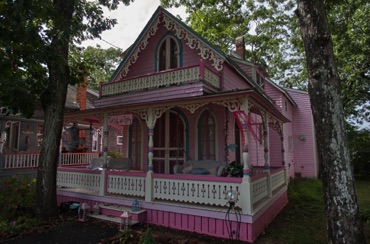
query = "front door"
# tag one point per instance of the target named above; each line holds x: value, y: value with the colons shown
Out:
x: 169, y: 142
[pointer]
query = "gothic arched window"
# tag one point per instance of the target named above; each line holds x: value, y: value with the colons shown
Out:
x: 168, y: 54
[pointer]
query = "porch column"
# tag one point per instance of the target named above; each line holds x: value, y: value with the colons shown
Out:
x: 283, y: 153
x: 245, y: 187
x: 265, y: 119
x: 105, y: 140
x: 266, y: 139
x: 150, y: 147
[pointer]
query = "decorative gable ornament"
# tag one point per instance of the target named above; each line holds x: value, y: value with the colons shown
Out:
x: 191, y: 40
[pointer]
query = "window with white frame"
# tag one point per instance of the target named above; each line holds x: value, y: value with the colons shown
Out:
x: 119, y: 140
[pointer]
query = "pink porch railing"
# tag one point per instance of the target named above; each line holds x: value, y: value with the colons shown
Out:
x: 31, y: 160
x: 201, y: 190
x: 159, y: 79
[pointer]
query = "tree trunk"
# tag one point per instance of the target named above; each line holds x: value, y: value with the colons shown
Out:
x: 53, y: 102
x: 343, y: 218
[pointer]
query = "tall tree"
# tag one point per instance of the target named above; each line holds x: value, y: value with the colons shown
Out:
x: 273, y: 41
x: 100, y: 64
x: 344, y: 222
x: 34, y: 45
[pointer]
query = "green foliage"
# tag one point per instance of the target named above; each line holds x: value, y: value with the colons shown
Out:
x: 100, y: 64
x: 35, y: 41
x: 359, y: 141
x: 126, y: 236
x: 20, y: 224
x: 235, y: 170
x: 147, y: 238
x: 303, y: 219
x: 273, y: 41
x: 115, y: 154
x: 17, y: 196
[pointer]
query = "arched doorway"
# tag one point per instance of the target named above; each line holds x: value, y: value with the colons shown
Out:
x: 169, y: 142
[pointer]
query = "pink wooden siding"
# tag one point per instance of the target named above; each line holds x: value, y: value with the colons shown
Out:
x: 248, y: 69
x: 192, y: 219
x: 232, y: 80
x: 274, y: 94
x: 305, y: 154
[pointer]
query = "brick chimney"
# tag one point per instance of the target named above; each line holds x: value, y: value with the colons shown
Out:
x: 81, y: 93
x: 240, y: 46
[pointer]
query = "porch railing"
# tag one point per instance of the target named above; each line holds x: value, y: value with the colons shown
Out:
x: 203, y: 190
x: 160, y: 79
x: 200, y: 190
x: 31, y: 160
x: 21, y: 160
x: 70, y: 159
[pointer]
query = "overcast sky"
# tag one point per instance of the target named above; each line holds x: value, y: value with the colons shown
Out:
x: 131, y: 21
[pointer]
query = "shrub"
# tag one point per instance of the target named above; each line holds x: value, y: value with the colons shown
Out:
x: 17, y: 196
x: 147, y: 238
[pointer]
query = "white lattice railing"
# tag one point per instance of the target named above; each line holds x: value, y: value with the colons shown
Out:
x: 69, y: 159
x: 210, y: 192
x: 80, y: 179
x: 156, y: 80
x: 277, y: 179
x: 21, y: 160
x: 132, y: 184
x: 259, y: 188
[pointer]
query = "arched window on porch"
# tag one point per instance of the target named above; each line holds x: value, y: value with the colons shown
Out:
x: 206, y: 136
x: 135, y: 144
x: 168, y: 54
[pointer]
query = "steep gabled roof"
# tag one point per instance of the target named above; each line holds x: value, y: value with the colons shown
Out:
x: 282, y: 90
x: 192, y: 39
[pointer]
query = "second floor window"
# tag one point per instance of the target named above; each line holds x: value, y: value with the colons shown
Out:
x: 168, y: 54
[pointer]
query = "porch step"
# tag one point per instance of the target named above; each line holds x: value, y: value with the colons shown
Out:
x: 112, y: 219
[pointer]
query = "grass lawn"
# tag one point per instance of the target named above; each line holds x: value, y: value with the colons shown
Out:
x: 303, y: 219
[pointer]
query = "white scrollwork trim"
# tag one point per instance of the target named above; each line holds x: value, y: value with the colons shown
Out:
x: 140, y: 47
x: 232, y: 104
x: 192, y: 107
x: 193, y: 42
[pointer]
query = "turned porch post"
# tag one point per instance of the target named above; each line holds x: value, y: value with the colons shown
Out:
x: 266, y: 139
x: 283, y: 153
x: 246, y: 191
x: 105, y: 140
x: 105, y: 154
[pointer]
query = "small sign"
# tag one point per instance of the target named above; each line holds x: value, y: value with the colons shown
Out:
x: 124, y: 119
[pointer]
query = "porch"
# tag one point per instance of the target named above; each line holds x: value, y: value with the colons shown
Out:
x: 188, y: 202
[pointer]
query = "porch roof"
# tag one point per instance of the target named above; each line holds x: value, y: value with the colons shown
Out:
x: 234, y: 97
